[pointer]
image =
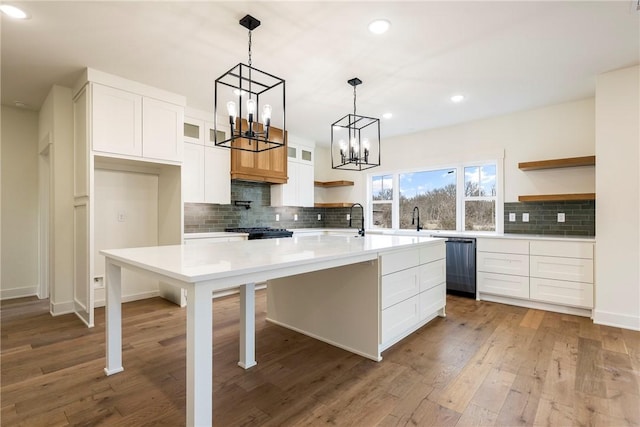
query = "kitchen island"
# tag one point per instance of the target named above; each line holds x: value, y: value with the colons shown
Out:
x: 382, y: 288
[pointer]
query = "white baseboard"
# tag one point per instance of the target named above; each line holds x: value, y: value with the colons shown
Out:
x: 57, y: 309
x: 13, y: 293
x: 129, y: 298
x: 616, y: 320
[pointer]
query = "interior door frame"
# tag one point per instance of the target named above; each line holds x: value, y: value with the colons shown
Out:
x: 45, y: 216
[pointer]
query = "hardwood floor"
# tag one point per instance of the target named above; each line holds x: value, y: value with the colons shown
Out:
x: 485, y: 364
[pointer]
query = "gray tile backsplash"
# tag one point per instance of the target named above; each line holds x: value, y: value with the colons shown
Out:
x: 580, y: 218
x: 205, y: 217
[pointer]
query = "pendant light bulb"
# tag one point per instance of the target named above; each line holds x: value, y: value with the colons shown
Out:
x: 231, y: 109
x: 251, y: 109
x: 266, y: 115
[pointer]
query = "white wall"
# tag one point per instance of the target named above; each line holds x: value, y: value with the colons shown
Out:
x: 126, y: 216
x: 56, y: 119
x: 617, y: 301
x: 19, y: 203
x: 563, y: 130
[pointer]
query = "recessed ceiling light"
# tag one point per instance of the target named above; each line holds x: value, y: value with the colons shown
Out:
x: 387, y: 115
x: 457, y: 98
x: 13, y: 12
x: 379, y: 26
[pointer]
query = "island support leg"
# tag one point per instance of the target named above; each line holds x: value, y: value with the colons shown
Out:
x: 247, y: 326
x: 113, y: 320
x: 199, y: 356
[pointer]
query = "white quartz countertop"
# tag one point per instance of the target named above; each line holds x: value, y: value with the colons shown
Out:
x: 195, y: 263
x: 215, y: 234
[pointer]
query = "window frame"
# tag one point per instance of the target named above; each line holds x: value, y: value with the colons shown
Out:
x: 461, y: 198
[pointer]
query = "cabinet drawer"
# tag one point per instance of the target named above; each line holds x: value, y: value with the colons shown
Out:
x: 562, y: 249
x: 399, y: 286
x: 503, y: 263
x: 506, y: 246
x: 399, y: 261
x: 432, y: 253
x: 432, y: 300
x: 503, y: 284
x: 432, y: 274
x: 399, y: 318
x: 562, y: 292
x: 557, y: 268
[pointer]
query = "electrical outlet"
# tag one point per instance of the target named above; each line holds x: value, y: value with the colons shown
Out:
x: 319, y: 217
x: 295, y: 217
x: 525, y: 217
x: 277, y: 217
x: 98, y: 282
x: 512, y: 217
x: 122, y: 216
x: 348, y: 217
x: 560, y: 216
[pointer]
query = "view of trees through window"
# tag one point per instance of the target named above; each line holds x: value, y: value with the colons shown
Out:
x: 434, y: 193
x: 438, y: 195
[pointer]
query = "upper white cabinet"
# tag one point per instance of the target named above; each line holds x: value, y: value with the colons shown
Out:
x: 206, y: 169
x: 117, y: 121
x: 299, y: 189
x: 130, y: 120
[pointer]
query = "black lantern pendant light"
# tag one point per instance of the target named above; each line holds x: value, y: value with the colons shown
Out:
x: 242, y: 93
x: 355, y: 140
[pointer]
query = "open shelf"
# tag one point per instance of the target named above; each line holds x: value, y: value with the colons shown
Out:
x: 558, y: 163
x: 557, y: 197
x: 332, y: 205
x: 332, y: 183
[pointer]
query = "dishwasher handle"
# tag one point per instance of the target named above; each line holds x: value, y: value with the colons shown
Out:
x: 460, y: 241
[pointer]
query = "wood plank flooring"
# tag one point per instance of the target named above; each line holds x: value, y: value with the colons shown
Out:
x: 484, y: 364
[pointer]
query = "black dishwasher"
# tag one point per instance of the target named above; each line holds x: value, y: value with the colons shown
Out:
x: 461, y: 266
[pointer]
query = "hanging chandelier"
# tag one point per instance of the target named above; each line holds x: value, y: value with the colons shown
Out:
x: 355, y: 140
x: 241, y: 94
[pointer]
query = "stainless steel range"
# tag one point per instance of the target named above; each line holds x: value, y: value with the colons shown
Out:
x: 262, y: 232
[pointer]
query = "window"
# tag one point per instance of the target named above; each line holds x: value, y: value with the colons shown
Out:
x: 462, y: 197
x: 434, y: 193
x: 480, y: 198
x: 381, y: 201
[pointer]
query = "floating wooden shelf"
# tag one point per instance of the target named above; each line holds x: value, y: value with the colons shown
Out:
x: 558, y: 163
x: 332, y: 205
x: 557, y: 197
x: 332, y: 183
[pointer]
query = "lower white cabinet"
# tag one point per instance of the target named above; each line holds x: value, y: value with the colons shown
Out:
x: 545, y: 271
x: 413, y: 291
x: 503, y: 284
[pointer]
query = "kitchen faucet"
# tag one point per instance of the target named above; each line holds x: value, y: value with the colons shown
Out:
x: 413, y: 218
x: 361, y: 230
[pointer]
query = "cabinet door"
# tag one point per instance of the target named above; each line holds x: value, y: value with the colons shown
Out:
x: 503, y: 284
x: 399, y: 286
x: 562, y: 292
x: 572, y: 269
x: 193, y: 173
x: 305, y: 185
x: 267, y: 166
x: 432, y: 274
x: 398, y: 319
x: 193, y: 131
x: 217, y: 177
x: 162, y: 130
x: 503, y: 263
x: 432, y: 300
x: 116, y: 120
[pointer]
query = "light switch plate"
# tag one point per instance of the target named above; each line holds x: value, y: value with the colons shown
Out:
x: 295, y: 217
x: 525, y: 217
x: 560, y: 216
x: 512, y: 217
x: 319, y: 217
x: 348, y: 217
x: 277, y: 217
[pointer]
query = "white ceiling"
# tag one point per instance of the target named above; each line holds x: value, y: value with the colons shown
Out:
x: 503, y: 56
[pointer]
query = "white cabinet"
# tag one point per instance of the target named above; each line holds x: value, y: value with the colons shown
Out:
x: 503, y: 267
x: 562, y: 273
x: 128, y: 124
x: 206, y: 168
x: 299, y: 189
x: 555, y: 273
x: 412, y: 290
x: 116, y: 117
